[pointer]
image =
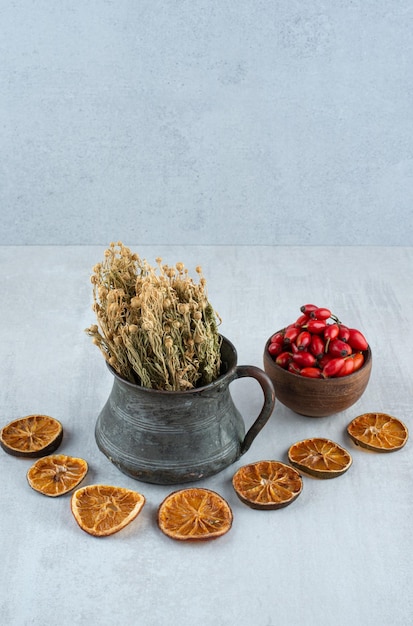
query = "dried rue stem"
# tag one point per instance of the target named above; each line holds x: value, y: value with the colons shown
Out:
x: 155, y: 326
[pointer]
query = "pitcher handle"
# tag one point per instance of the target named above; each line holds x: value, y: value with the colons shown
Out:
x: 269, y: 401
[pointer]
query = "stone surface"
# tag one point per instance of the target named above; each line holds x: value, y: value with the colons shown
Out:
x: 341, y: 553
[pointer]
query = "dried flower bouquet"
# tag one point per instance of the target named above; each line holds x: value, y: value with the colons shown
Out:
x: 156, y: 326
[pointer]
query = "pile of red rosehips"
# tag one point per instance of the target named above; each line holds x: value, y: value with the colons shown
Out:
x: 318, y: 345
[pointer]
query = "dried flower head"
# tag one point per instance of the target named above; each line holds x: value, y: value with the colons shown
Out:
x: 156, y: 326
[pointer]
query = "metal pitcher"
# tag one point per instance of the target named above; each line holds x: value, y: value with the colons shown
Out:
x: 170, y: 437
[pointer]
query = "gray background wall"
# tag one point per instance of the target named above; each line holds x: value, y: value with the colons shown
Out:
x: 211, y: 122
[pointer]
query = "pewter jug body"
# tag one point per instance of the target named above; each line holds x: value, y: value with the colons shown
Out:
x: 170, y: 437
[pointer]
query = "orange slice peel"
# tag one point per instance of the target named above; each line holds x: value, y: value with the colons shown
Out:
x: 267, y: 485
x: 320, y: 457
x: 378, y: 431
x: 56, y: 474
x: 31, y: 436
x: 194, y: 514
x: 102, y: 510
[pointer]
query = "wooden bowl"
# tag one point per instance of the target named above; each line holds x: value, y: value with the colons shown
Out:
x: 317, y: 397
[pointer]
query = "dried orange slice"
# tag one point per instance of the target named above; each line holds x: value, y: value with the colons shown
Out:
x: 56, y: 474
x: 31, y: 436
x: 102, y: 510
x: 378, y: 431
x: 194, y: 514
x: 320, y: 457
x: 267, y: 484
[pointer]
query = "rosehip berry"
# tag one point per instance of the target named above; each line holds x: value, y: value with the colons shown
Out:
x: 275, y: 348
x: 357, y: 340
x: 291, y: 334
x: 331, y: 331
x: 339, y: 348
x: 316, y: 326
x: 293, y: 368
x: 317, y: 346
x: 277, y: 337
x: 308, y: 308
x: 348, y: 368
x: 304, y: 359
x: 358, y: 360
x: 333, y: 367
x: 311, y: 372
x: 303, y: 340
x: 283, y: 359
x: 344, y: 332
x: 320, y: 314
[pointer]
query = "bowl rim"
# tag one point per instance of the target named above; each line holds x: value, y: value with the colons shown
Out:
x: 333, y: 379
